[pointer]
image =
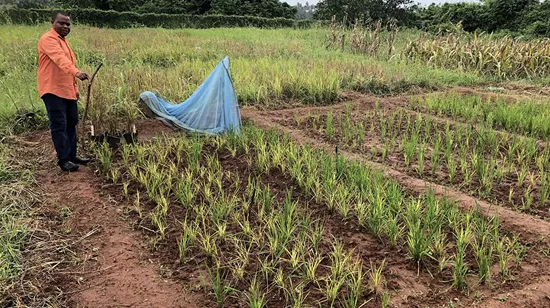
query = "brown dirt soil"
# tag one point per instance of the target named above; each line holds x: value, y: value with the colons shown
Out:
x: 533, y: 286
x: 111, y: 266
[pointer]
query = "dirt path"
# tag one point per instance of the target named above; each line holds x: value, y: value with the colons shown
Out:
x: 111, y: 266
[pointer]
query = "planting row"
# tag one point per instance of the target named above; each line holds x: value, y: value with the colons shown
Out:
x: 225, y: 205
x: 501, y: 168
x: 525, y: 118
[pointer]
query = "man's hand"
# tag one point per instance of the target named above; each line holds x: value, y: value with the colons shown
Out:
x: 82, y: 76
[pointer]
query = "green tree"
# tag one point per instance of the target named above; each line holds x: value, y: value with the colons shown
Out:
x: 365, y: 9
x: 507, y: 14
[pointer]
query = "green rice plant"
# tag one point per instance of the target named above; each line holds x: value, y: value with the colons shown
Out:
x: 434, y: 159
x: 421, y: 156
x: 484, y: 260
x: 159, y: 221
x: 105, y: 156
x: 354, y: 285
x: 385, y: 150
x: 385, y: 299
x: 376, y: 279
x: 137, y: 205
x: 329, y: 130
x: 465, y: 171
x: 504, y: 257
x: 460, y: 269
x: 186, y: 240
x: 255, y: 296
x: 297, y: 296
x: 311, y: 267
x: 409, y: 148
x: 220, y: 284
x: 332, y: 289
x: 417, y: 243
x: 394, y: 230
x: 451, y: 166
x: 527, y: 199
x: 376, y: 217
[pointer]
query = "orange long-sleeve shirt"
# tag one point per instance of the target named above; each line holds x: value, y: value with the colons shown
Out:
x: 56, y: 67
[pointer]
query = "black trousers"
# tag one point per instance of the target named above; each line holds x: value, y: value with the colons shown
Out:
x: 63, y: 118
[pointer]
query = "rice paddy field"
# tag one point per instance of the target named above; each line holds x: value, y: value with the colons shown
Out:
x: 398, y: 170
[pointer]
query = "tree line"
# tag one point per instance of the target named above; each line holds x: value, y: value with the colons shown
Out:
x: 257, y: 8
x: 513, y: 16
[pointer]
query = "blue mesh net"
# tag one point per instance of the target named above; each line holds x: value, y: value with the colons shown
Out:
x: 211, y: 109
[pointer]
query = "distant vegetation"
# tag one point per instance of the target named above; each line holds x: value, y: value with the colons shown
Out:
x: 517, y: 17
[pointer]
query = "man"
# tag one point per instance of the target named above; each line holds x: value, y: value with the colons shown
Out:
x: 57, y: 74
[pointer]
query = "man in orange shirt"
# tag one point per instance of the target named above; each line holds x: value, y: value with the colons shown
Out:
x: 57, y: 74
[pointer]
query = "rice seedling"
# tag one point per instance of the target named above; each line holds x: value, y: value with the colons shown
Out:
x: 256, y: 297
x: 376, y: 279
x: 460, y: 267
x: 386, y: 298
x: 354, y: 285
x: 220, y: 286
x: 330, y: 130
x: 421, y: 156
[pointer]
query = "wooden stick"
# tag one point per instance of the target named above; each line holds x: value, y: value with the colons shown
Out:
x: 89, y: 92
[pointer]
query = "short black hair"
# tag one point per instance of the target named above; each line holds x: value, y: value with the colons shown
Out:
x: 57, y: 13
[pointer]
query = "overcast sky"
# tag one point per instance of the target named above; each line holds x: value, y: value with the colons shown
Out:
x: 423, y: 2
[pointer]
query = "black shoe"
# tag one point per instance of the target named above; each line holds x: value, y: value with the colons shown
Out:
x: 80, y: 160
x: 69, y: 166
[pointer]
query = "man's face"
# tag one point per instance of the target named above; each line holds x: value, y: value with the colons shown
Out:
x: 62, y: 25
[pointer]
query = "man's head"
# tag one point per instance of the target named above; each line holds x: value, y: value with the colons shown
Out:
x: 61, y: 23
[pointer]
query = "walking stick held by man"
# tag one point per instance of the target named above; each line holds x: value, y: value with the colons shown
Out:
x: 88, y: 95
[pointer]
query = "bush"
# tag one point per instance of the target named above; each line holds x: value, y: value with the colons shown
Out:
x: 113, y: 19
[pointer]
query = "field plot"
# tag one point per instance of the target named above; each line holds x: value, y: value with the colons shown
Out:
x: 330, y: 197
x: 483, y: 147
x: 266, y: 222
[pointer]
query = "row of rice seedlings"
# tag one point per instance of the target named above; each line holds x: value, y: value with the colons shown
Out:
x: 481, y: 157
x: 378, y: 204
x: 425, y: 225
x: 504, y: 58
x: 251, y: 244
x: 526, y: 118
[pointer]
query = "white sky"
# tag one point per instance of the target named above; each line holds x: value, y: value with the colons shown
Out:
x: 422, y: 2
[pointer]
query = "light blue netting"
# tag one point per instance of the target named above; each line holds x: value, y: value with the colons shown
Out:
x: 211, y: 109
